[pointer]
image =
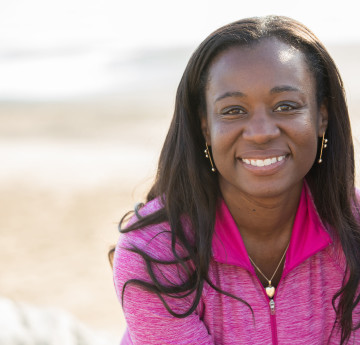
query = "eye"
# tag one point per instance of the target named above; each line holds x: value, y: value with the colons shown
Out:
x: 285, y: 107
x: 233, y: 110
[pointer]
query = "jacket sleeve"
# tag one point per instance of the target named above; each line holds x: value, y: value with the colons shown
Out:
x: 147, y: 319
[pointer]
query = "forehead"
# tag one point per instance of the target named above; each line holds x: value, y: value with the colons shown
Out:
x: 269, y: 62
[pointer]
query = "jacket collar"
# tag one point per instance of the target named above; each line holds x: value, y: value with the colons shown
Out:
x: 307, y: 238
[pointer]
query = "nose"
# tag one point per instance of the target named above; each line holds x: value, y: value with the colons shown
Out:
x: 261, y: 127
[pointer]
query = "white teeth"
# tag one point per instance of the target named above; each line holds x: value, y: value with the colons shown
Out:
x: 263, y: 162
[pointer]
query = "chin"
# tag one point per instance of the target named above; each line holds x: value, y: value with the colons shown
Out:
x: 271, y: 190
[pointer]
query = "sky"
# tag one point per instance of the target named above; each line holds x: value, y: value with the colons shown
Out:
x: 59, y: 48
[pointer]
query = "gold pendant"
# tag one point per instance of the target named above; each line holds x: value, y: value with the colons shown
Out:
x: 270, y: 290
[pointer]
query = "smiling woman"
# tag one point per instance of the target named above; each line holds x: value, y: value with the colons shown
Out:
x: 262, y: 120
x: 258, y: 240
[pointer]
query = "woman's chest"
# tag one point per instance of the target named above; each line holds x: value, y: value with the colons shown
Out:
x: 301, y: 312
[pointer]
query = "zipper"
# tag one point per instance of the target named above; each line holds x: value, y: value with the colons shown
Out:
x: 273, y: 321
x: 272, y: 307
x: 272, y: 310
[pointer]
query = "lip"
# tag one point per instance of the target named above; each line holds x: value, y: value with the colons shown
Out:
x: 266, y: 169
x: 262, y: 154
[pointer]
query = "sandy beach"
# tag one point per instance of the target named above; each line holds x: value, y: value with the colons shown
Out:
x: 69, y: 171
x: 62, y: 194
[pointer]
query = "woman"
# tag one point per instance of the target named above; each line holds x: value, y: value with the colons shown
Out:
x: 257, y: 240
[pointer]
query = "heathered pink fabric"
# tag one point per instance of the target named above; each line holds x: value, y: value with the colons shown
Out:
x: 313, y: 272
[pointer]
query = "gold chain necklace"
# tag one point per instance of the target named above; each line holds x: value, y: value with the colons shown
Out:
x: 270, y: 290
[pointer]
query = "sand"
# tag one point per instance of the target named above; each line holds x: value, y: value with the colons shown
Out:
x: 65, y: 184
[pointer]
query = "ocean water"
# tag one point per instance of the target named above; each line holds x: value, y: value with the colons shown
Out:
x: 69, y: 73
x: 51, y: 75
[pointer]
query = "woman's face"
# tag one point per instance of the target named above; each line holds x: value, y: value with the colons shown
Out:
x: 263, y: 121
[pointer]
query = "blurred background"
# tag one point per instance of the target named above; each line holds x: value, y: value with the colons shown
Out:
x: 86, y: 95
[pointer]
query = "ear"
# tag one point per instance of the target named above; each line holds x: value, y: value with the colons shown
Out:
x: 323, y: 118
x: 205, y: 129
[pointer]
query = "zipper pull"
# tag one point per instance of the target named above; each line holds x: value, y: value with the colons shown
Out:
x: 272, y: 307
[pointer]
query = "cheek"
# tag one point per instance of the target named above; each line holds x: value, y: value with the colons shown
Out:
x: 305, y: 140
x: 223, y: 138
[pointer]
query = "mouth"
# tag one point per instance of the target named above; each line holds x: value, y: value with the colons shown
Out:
x: 256, y: 162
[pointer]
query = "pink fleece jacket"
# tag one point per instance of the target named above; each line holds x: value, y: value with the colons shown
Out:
x: 302, y: 313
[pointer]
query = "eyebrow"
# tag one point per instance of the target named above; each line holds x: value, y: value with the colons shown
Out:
x: 230, y: 94
x: 276, y: 89
x: 284, y: 88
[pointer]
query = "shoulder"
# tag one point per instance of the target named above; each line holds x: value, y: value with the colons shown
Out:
x: 335, y: 250
x: 154, y: 241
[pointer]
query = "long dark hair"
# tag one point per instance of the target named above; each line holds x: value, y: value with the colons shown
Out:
x: 186, y: 185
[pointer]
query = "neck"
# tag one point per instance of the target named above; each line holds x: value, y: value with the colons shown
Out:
x: 264, y: 223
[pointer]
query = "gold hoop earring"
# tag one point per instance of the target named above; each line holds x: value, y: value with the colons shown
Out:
x: 208, y: 155
x: 323, y: 146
